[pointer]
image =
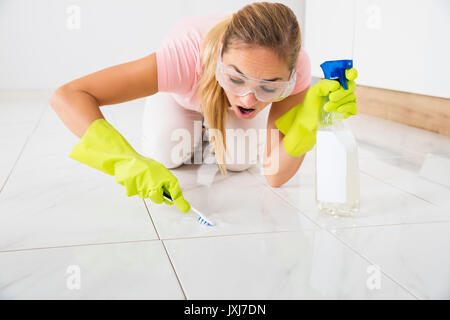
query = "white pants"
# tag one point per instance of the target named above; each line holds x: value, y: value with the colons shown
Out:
x: 173, y: 135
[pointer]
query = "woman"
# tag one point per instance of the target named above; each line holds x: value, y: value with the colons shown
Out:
x: 221, y: 71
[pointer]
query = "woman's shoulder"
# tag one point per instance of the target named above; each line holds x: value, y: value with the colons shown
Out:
x: 303, y: 64
x: 303, y: 57
x: 303, y: 72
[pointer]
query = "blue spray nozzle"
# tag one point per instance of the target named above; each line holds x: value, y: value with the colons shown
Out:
x: 335, y: 70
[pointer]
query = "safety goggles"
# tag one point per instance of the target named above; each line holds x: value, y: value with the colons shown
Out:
x: 240, y: 84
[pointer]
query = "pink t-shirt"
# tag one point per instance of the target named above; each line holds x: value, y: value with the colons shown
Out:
x: 179, y: 61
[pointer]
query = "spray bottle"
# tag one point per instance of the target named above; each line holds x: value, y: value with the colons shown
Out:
x: 337, y: 169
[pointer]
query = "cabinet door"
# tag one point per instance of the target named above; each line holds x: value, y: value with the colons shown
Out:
x: 328, y: 33
x: 404, y: 45
x: 399, y: 45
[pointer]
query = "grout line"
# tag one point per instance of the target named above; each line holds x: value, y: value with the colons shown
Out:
x: 174, y: 270
x: 240, y: 234
x: 388, y: 225
x: 167, y: 252
x: 23, y: 148
x: 434, y: 182
x: 77, y: 245
x: 151, y: 219
x: 360, y: 254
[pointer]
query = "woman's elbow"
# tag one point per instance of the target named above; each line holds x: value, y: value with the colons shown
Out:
x: 56, y: 100
x: 274, y: 182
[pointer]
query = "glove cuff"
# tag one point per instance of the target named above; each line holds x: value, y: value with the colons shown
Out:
x: 299, y: 142
x: 101, y: 147
x: 285, y: 122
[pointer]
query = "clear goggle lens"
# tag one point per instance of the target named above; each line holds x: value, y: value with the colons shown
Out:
x: 241, y: 85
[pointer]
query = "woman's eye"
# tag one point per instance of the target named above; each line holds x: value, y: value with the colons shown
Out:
x: 236, y: 81
x: 268, y: 90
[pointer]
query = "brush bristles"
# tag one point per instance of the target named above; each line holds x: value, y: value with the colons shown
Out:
x: 202, y: 221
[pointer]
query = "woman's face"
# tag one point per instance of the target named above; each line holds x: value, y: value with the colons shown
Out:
x: 256, y: 62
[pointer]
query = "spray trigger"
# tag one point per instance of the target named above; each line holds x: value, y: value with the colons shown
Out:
x: 335, y: 70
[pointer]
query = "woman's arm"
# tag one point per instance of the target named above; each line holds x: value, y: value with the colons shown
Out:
x: 78, y: 102
x: 278, y: 172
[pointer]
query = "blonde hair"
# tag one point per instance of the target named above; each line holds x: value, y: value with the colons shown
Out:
x: 265, y: 24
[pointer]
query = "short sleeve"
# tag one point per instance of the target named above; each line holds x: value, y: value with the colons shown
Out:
x: 177, y: 59
x: 303, y: 73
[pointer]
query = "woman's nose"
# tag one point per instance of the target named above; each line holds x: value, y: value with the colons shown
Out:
x: 249, y: 100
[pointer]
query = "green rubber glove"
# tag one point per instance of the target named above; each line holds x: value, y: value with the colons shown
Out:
x: 105, y: 149
x: 344, y: 101
x: 299, y: 124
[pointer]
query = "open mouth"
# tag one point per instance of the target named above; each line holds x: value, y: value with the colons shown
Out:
x: 245, y: 111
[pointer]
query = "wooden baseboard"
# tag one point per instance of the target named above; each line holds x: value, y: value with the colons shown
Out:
x: 425, y: 112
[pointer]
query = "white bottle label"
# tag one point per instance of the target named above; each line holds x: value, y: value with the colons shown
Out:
x: 331, y: 166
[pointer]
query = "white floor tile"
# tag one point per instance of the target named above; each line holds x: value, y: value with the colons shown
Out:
x: 238, y: 204
x: 291, y: 265
x: 416, y: 256
x: 117, y: 271
x: 17, y: 121
x: 415, y: 176
x: 12, y: 140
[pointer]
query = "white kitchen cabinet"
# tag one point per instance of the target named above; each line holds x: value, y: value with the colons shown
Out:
x: 398, y: 45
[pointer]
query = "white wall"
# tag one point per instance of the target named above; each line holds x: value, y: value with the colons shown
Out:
x: 38, y: 51
x: 400, y: 45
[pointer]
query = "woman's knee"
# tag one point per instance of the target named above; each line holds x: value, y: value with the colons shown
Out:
x: 171, y: 148
x: 169, y: 153
x: 236, y: 167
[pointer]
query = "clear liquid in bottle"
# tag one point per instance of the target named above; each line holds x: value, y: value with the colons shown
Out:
x: 337, y: 182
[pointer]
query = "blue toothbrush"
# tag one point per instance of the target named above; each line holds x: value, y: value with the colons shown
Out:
x: 201, y: 219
